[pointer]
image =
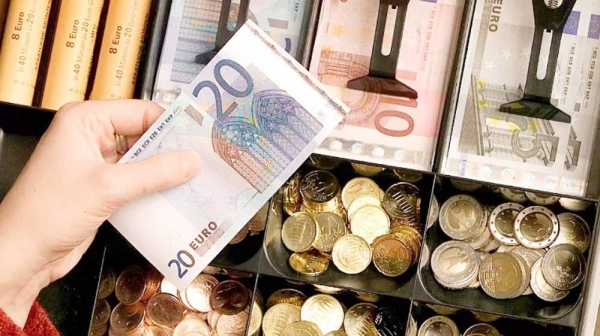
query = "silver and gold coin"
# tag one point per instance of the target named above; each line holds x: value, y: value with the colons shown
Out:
x: 461, y: 217
x: 541, y: 199
x: 325, y: 311
x: 502, y: 222
x: 541, y: 288
x: 573, y: 204
x: 513, y: 195
x: 501, y: 276
x: 536, y: 227
x: 573, y: 230
x: 455, y: 264
x: 563, y: 267
x: 299, y: 232
x: 438, y: 326
x: 411, y: 329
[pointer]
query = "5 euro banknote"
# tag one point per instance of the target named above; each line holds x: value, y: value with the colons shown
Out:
x: 254, y: 115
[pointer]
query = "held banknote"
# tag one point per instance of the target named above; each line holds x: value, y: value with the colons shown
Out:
x: 254, y: 115
x: 494, y: 146
x: 192, y: 30
x: 381, y: 128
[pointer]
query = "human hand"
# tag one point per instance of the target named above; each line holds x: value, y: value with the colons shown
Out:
x: 69, y: 187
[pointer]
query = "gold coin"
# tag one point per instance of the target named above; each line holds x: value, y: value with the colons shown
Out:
x: 336, y: 333
x: 299, y: 232
x: 319, y: 186
x: 309, y: 262
x: 351, y: 254
x: 325, y: 311
x: 278, y: 317
x: 330, y: 228
x: 286, y: 295
x: 125, y: 319
x: 197, y: 294
x: 255, y: 319
x: 501, y: 276
x: 370, y: 222
x: 131, y: 285
x: 367, y: 297
x: 101, y: 313
x: 362, y: 201
x: 107, y: 283
x: 391, y: 256
x: 358, y: 187
x: 366, y: 170
x: 164, y: 310
x: 302, y: 328
x: 359, y: 320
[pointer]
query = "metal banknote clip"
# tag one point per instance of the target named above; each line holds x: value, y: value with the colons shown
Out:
x: 223, y: 32
x: 383, y: 67
x: 549, y: 18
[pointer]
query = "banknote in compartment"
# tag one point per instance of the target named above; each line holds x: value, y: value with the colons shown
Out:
x: 381, y: 128
x: 493, y: 146
x: 192, y: 30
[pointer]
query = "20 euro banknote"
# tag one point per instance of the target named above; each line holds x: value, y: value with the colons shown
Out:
x: 254, y: 115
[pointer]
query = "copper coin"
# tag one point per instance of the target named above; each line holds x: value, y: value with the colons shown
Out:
x: 164, y: 310
x: 391, y: 256
x: 233, y: 324
x: 101, y: 313
x: 240, y: 236
x: 192, y: 326
x: 131, y: 285
x: 153, y: 280
x: 107, y: 283
x: 229, y: 297
x: 125, y: 319
x: 155, y: 331
x: 166, y: 286
x: 197, y: 294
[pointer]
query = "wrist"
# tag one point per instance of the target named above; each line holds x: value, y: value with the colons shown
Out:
x: 20, y: 280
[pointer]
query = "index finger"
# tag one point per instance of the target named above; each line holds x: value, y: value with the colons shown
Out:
x: 128, y: 117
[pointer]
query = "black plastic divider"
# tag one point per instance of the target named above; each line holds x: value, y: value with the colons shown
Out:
x: 566, y: 312
x: 506, y: 326
x: 276, y: 257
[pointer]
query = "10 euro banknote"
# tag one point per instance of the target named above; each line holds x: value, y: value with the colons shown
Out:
x: 254, y: 115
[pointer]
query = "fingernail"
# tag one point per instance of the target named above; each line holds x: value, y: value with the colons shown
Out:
x: 191, y: 164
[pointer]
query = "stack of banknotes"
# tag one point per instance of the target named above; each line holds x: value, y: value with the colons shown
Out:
x: 489, y: 145
x: 254, y: 115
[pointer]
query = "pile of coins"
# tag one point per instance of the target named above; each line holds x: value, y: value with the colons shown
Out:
x: 442, y: 325
x: 255, y: 226
x: 150, y: 305
x: 511, y: 250
x: 289, y: 312
x: 352, y: 226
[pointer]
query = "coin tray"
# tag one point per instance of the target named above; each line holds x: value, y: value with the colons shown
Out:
x: 464, y: 319
x: 566, y: 312
x: 277, y: 255
x: 267, y: 285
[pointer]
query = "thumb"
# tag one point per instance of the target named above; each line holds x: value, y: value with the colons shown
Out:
x: 156, y: 173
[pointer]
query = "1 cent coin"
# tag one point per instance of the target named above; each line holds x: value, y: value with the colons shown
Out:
x: 164, y: 310
x: 131, y: 285
x: 229, y: 297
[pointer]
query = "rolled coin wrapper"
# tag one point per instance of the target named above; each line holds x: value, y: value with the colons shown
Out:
x: 118, y: 61
x: 21, y: 49
x: 72, y: 52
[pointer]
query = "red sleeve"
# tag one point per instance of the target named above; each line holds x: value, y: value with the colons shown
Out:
x: 38, y: 324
